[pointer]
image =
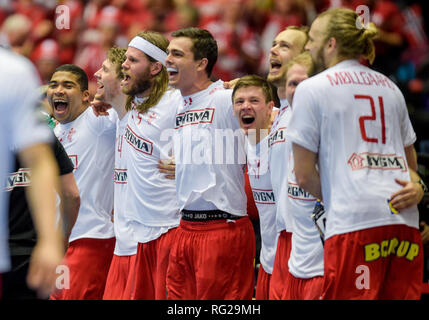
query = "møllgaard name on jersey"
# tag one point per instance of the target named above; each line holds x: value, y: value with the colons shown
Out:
x: 191, y: 117
x: 368, y: 160
x: 263, y: 196
x: 138, y: 143
x: 22, y: 178
x: 120, y: 176
x: 278, y: 136
x: 296, y: 192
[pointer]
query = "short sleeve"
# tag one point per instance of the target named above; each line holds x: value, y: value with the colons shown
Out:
x: 65, y: 165
x: 304, y: 126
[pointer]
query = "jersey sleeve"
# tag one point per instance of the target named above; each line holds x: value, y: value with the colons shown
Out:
x: 304, y: 126
x: 407, y: 131
x: 64, y: 163
x: 225, y: 107
x: 99, y: 125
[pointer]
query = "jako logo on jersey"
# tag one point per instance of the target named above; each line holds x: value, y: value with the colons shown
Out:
x: 192, y: 117
x: 21, y: 178
x: 377, y: 161
x: 120, y: 176
x: 296, y: 192
x: 262, y: 196
x: 137, y: 142
x: 278, y: 136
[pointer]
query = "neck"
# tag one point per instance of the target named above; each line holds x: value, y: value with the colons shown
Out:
x: 146, y: 92
x: 281, y: 92
x: 118, y: 104
x: 197, y: 87
x: 336, y: 60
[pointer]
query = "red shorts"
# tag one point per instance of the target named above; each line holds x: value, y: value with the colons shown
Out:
x: 212, y: 260
x: 303, y: 289
x: 281, y: 268
x: 262, y: 284
x: 120, y: 270
x: 88, y: 261
x: 148, y: 281
x: 377, y: 263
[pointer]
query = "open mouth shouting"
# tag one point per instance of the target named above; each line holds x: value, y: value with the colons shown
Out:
x: 275, y: 66
x: 247, y: 119
x: 172, y: 72
x: 60, y: 106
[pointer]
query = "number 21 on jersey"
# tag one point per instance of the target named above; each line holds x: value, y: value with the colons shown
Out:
x: 373, y: 117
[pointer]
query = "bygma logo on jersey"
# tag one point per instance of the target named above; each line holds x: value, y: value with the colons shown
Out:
x: 194, y: 117
x: 138, y: 143
x: 21, y: 178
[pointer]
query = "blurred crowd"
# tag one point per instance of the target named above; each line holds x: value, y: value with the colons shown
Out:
x: 52, y: 33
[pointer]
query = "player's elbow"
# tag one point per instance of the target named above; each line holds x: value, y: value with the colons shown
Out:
x: 303, y: 179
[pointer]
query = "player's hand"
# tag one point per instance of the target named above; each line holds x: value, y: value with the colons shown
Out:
x: 100, y: 107
x: 167, y: 166
x: 410, y: 195
x: 46, y: 256
x: 425, y: 232
x: 230, y: 84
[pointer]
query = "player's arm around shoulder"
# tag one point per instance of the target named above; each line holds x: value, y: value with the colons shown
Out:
x: 413, y: 190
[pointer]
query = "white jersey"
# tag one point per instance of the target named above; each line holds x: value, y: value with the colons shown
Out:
x: 209, y: 149
x: 306, y: 256
x: 90, y: 143
x: 151, y: 198
x: 125, y: 244
x: 20, y: 126
x: 357, y: 121
x: 260, y: 182
x: 278, y: 166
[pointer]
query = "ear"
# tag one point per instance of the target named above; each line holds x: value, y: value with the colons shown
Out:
x: 331, y: 44
x: 202, y: 64
x: 155, y: 68
x: 85, y: 96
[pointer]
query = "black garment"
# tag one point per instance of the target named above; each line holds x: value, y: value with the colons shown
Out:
x: 22, y: 234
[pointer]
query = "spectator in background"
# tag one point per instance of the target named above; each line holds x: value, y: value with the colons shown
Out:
x: 239, y: 50
x: 15, y: 34
x: 45, y: 57
x: 96, y: 42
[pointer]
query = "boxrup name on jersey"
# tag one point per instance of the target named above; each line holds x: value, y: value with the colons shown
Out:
x: 138, y: 143
x: 277, y: 136
x: 21, y: 178
x: 192, y: 117
x: 379, y: 161
x: 296, y: 192
x: 120, y: 176
x: 263, y: 196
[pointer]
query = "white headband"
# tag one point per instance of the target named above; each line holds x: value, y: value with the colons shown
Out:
x: 149, y: 48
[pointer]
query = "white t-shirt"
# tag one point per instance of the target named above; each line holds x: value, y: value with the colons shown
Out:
x: 260, y: 182
x: 125, y: 244
x: 306, y: 256
x: 278, y: 166
x: 151, y: 198
x: 357, y: 121
x: 20, y: 126
x: 90, y: 143
x: 209, y: 150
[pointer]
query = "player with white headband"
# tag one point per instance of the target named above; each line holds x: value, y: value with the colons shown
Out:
x: 150, y: 203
